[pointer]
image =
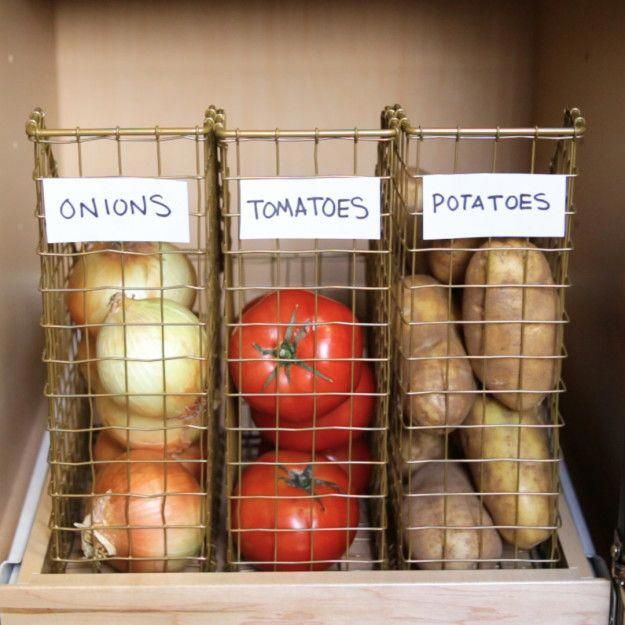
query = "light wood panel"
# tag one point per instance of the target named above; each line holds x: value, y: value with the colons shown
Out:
x: 27, y: 78
x: 570, y: 596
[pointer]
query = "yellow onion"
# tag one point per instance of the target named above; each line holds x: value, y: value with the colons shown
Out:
x: 98, y: 275
x: 107, y: 448
x: 148, y: 348
x: 86, y: 355
x: 134, y: 431
x: 134, y: 502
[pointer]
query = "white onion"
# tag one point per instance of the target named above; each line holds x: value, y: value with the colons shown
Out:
x: 135, y: 431
x: 133, y: 494
x: 107, y: 448
x: 143, y: 339
x: 98, y: 275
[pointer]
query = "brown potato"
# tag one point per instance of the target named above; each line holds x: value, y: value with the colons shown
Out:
x: 438, y: 384
x: 449, y: 266
x: 519, y: 383
x: 417, y: 446
x: 410, y: 221
x: 447, y: 548
x: 527, y: 441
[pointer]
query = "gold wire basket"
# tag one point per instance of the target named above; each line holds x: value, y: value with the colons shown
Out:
x: 476, y: 378
x: 372, y: 280
x: 76, y: 396
x: 355, y: 273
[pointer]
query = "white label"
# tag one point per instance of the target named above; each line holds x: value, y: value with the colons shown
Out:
x: 310, y: 208
x: 458, y: 206
x: 116, y: 209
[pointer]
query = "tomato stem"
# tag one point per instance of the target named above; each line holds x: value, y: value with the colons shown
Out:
x: 286, y: 353
x: 306, y: 480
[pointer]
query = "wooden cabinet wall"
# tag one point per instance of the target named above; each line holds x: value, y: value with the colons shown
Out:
x: 332, y: 64
x: 27, y: 76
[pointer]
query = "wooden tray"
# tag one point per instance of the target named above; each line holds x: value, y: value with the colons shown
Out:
x: 571, y: 595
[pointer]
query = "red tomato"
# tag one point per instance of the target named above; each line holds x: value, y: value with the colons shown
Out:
x: 332, y: 429
x: 310, y: 357
x: 359, y: 459
x: 251, y: 303
x: 350, y: 460
x: 306, y: 506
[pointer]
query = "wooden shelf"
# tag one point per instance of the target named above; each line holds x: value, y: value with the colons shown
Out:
x: 571, y: 595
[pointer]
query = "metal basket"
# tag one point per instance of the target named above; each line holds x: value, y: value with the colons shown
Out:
x: 73, y: 421
x: 354, y: 273
x: 436, y: 446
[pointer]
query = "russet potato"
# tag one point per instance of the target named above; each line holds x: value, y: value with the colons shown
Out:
x: 417, y: 447
x: 436, y: 378
x: 519, y: 382
x: 521, y: 439
x: 475, y: 545
x: 410, y: 221
x: 449, y: 266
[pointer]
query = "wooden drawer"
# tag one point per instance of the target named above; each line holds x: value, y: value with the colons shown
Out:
x: 570, y: 595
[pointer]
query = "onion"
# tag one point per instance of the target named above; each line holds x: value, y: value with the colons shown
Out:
x: 107, y: 448
x: 132, y: 495
x: 88, y: 367
x: 97, y: 276
x: 164, y: 351
x: 135, y: 431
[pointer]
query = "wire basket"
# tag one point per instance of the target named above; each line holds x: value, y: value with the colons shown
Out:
x: 266, y: 285
x: 138, y: 459
x: 478, y: 348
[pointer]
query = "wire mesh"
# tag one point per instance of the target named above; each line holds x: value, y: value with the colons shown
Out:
x: 473, y: 462
x: 477, y: 352
x: 131, y: 443
x: 301, y: 289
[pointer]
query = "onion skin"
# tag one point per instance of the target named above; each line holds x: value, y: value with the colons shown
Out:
x: 112, y: 507
x: 130, y: 430
x: 142, y: 338
x: 141, y: 277
x: 87, y: 354
x: 107, y: 448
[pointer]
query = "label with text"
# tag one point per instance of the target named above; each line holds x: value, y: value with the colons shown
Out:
x: 310, y: 208
x: 457, y: 206
x: 116, y: 209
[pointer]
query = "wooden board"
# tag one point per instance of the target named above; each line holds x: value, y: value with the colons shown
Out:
x: 569, y: 595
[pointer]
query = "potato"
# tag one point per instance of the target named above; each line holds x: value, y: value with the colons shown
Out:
x: 453, y: 548
x: 443, y: 387
x: 449, y: 266
x: 410, y: 221
x: 504, y: 376
x: 513, y: 475
x: 417, y: 446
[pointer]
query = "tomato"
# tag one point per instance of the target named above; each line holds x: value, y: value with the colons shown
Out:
x: 332, y: 429
x: 299, y: 344
x: 306, y: 506
x: 359, y: 458
x: 356, y: 462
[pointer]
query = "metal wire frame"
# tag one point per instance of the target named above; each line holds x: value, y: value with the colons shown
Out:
x: 357, y: 275
x: 72, y: 418
x: 409, y: 257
